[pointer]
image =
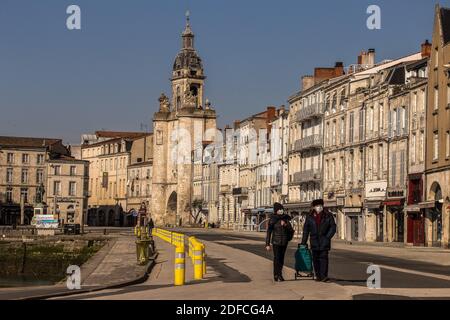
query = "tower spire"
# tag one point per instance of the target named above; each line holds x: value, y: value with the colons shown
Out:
x: 188, y: 35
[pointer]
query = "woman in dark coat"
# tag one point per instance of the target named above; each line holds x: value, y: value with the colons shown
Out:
x: 320, y: 227
x: 279, y: 233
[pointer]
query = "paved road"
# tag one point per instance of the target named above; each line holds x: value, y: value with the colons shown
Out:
x: 347, y: 267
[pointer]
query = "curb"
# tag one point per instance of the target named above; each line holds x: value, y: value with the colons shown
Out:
x: 138, y: 280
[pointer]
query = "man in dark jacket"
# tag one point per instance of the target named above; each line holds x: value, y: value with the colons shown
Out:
x: 320, y: 227
x: 150, y: 226
x: 279, y: 233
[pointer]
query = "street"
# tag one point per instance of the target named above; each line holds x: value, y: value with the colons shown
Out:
x: 239, y: 267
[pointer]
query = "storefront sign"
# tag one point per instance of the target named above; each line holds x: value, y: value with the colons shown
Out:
x: 376, y: 189
x: 396, y: 193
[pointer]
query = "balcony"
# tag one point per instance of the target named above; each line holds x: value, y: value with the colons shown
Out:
x: 240, y: 191
x: 311, y: 111
x: 311, y: 142
x: 307, y: 176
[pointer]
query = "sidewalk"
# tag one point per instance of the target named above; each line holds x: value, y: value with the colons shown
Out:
x: 112, y: 266
x: 232, y: 274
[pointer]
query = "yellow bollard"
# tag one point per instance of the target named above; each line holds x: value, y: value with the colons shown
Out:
x: 179, y: 266
x: 198, y: 261
x: 204, y: 259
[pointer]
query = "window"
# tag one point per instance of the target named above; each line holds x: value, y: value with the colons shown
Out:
x: 341, y: 169
x: 25, y: 158
x: 40, y: 159
x: 371, y: 120
x: 447, y: 145
x: 361, y: 125
x: 342, y: 130
x: 448, y: 94
x: 351, y: 133
x: 381, y: 122
x: 436, y: 98
x: 380, y: 161
x: 414, y: 102
x: 72, y: 188
x: 393, y: 168
x: 436, y: 57
x: 413, y: 149
x: 9, y: 175
x: 24, y: 194
x: 421, y: 146
x: 333, y: 138
x: 39, y: 176
x: 73, y: 170
x: 24, y: 176
x: 9, y: 195
x: 56, y: 188
x: 402, y: 167
x: 351, y: 165
x: 10, y: 158
x: 398, y: 117
x: 57, y: 170
x: 436, y: 147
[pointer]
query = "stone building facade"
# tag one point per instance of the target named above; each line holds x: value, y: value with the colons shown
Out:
x: 67, y: 189
x: 437, y: 155
x: 180, y: 124
x: 23, y: 172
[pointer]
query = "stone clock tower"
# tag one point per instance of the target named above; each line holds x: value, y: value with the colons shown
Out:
x: 182, y: 122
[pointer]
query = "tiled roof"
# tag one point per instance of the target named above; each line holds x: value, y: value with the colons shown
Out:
x: 118, y: 134
x: 27, y: 142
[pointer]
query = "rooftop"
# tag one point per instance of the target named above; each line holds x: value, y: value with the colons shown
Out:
x: 27, y: 142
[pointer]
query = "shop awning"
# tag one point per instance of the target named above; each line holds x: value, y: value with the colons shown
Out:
x: 393, y: 203
x: 373, y: 204
x: 413, y: 208
x: 427, y: 205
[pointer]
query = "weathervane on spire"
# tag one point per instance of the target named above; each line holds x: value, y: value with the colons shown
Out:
x: 188, y: 17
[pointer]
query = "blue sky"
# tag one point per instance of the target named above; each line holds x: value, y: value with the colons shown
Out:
x: 60, y: 83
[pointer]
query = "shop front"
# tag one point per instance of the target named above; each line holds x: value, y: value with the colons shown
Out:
x: 395, y: 224
x: 354, y: 224
x: 375, y: 194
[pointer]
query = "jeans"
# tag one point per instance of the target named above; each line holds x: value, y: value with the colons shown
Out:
x: 278, y: 259
x: 320, y: 261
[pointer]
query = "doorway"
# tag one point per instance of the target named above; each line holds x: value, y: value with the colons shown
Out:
x: 379, y: 226
x: 354, y: 227
x: 416, y: 229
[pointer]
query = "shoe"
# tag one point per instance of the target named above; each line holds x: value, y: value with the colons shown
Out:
x: 317, y: 279
x: 280, y: 278
x: 276, y: 279
x: 326, y: 279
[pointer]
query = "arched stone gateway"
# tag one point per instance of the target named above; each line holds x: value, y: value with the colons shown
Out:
x: 171, y: 214
x: 437, y: 214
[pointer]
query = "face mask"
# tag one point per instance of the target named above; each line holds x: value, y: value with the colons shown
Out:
x: 318, y: 209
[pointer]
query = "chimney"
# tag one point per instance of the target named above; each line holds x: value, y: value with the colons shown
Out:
x: 426, y: 49
x: 339, y: 69
x: 307, y: 82
x: 271, y: 113
x: 371, y: 58
x: 236, y: 124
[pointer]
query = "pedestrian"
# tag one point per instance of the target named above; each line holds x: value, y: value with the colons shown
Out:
x: 150, y: 226
x: 279, y: 233
x: 320, y: 227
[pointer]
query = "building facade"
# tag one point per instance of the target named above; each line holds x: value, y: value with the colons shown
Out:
x: 437, y: 155
x: 67, y: 189
x: 23, y: 172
